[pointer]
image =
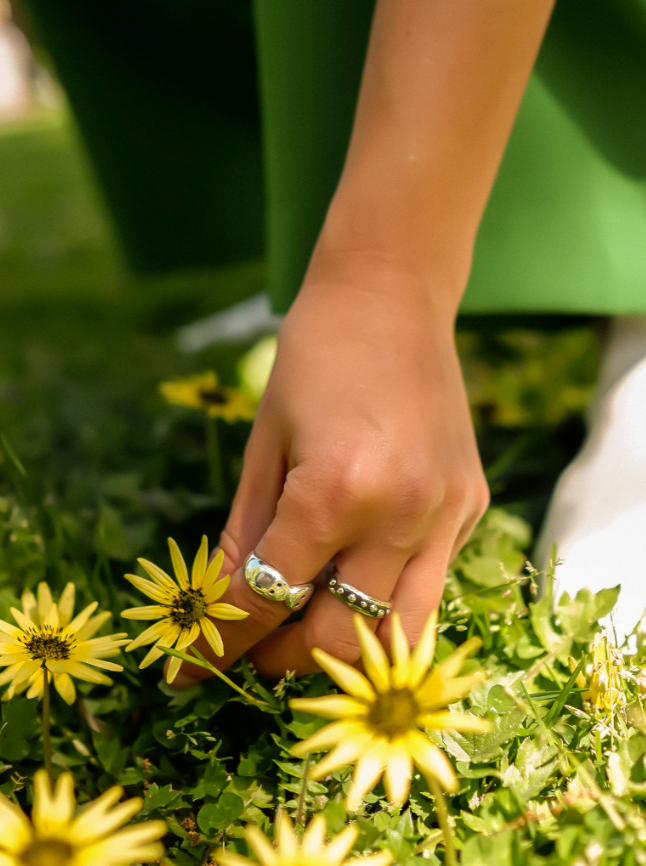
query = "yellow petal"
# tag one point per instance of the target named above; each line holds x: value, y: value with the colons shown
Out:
x: 330, y: 735
x: 221, y: 610
x: 152, y: 633
x: 30, y: 606
x: 45, y: 601
x: 398, y: 773
x: 199, y: 564
x: 102, y: 663
x: 16, y: 829
x: 373, y: 654
x: 432, y: 761
x: 217, y: 589
x: 164, y: 581
x: 213, y: 570
x: 452, y: 664
x: 436, y: 692
x: 151, y: 656
x: 287, y: 841
x: 367, y: 773
x: 66, y: 604
x: 228, y: 858
x: 23, y: 621
x: 447, y: 721
x: 10, y: 630
x: 53, y: 810
x: 103, y: 816
x: 133, y: 844
x: 187, y: 637
x: 342, y: 844
x: 92, y: 626
x: 400, y: 651
x: 179, y: 566
x: 345, y: 753
x: 212, y: 635
x: 313, y: 840
x: 259, y: 844
x: 26, y: 670
x: 347, y: 677
x: 80, y: 671
x: 149, y: 588
x: 423, y: 652
x: 173, y: 669
x: 149, y: 611
x: 79, y: 621
x: 331, y: 706
x: 65, y: 687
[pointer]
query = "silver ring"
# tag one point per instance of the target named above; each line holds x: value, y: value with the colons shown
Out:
x: 354, y: 598
x: 268, y: 582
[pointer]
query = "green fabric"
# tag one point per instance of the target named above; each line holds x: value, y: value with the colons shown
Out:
x: 565, y: 228
x: 165, y: 95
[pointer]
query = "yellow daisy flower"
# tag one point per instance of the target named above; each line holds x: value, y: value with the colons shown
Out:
x: 56, y: 836
x: 204, y: 392
x: 183, y: 609
x: 289, y: 850
x: 381, y: 720
x: 47, y: 637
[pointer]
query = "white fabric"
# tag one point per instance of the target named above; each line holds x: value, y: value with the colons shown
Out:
x: 597, y: 516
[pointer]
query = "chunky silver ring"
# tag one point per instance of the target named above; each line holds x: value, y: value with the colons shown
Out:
x: 268, y: 582
x: 354, y: 598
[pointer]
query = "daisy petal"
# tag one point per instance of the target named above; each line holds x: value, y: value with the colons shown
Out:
x: 103, y: 816
x: 151, y: 656
x: 223, y: 858
x: 179, y: 566
x: 373, y: 654
x: 159, y: 576
x: 149, y: 611
x: 52, y: 810
x: 30, y: 606
x: 212, y: 635
x: 330, y: 706
x: 217, y: 589
x: 367, y: 773
x: 45, y: 601
x: 347, y: 677
x: 152, y: 633
x: 462, y: 722
x: 149, y: 588
x: 432, y: 761
x: 452, y: 664
x: 187, y: 637
x: 23, y: 621
x: 423, y: 652
x: 260, y: 845
x: 64, y: 685
x: 199, y: 564
x: 213, y: 570
x: 16, y: 829
x: 398, y: 773
x: 10, y: 630
x: 80, y: 671
x: 287, y: 841
x: 328, y: 736
x: 173, y: 669
x: 381, y: 858
x: 226, y: 611
x: 314, y: 839
x: 345, y: 753
x: 437, y: 692
x: 92, y: 626
x: 66, y: 603
x: 401, y: 652
x: 79, y: 621
x: 342, y: 844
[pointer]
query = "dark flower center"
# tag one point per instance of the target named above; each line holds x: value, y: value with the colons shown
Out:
x: 49, y: 852
x: 394, y: 712
x: 214, y: 396
x: 188, y: 607
x: 47, y: 643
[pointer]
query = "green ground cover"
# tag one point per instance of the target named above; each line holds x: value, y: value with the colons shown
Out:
x: 95, y: 470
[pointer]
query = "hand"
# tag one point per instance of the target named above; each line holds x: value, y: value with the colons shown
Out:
x: 362, y: 452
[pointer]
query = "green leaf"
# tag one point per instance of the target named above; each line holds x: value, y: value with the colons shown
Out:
x: 482, y: 748
x: 579, y: 616
x: 20, y: 719
x: 533, y: 766
x: 159, y: 798
x: 485, y: 850
x: 218, y: 816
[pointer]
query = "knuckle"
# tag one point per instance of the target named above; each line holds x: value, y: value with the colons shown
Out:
x: 234, y: 556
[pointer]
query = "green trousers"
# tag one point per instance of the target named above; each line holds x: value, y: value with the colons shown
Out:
x: 166, y: 96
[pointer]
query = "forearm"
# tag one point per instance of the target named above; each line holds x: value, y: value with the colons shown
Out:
x: 442, y: 84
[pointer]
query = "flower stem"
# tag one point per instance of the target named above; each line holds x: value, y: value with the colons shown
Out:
x: 47, y: 740
x: 300, y: 811
x: 450, y: 858
x: 201, y: 662
x: 215, y: 459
